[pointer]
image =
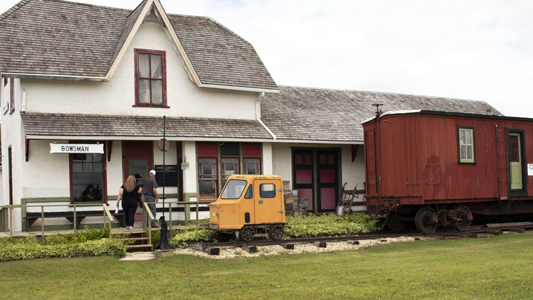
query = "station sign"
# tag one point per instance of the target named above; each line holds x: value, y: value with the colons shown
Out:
x: 77, y: 148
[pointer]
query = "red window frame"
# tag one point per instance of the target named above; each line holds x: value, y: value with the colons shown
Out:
x: 163, y: 79
x: 211, y: 178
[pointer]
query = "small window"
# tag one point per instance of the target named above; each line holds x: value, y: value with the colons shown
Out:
x: 466, y: 145
x: 249, y: 193
x: 267, y: 190
x: 150, y: 78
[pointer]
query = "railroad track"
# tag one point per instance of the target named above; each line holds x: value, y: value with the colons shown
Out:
x: 383, y: 236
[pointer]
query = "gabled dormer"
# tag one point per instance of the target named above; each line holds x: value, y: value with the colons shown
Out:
x: 54, y: 39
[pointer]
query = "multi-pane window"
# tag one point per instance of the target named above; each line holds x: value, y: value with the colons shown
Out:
x: 150, y: 78
x: 229, y: 167
x: 466, y: 145
x: 87, y: 177
x: 207, y: 178
x: 218, y: 161
x: 251, y: 166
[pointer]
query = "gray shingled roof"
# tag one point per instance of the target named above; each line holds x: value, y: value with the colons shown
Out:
x: 212, y: 48
x: 312, y: 114
x: 55, y: 37
x: 43, y: 124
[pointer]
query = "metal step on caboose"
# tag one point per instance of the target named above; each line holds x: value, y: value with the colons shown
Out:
x: 137, y: 241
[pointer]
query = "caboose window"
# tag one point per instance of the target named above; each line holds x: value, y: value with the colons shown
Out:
x: 466, y: 145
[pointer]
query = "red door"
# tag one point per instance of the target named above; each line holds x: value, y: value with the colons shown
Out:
x: 138, y: 158
x: 316, y: 178
x: 303, y: 176
x: 327, y: 180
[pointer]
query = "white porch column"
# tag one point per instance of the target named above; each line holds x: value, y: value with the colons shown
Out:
x: 190, y: 172
x: 267, y: 159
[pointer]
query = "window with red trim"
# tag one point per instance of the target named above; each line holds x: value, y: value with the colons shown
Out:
x: 207, y: 178
x: 150, y: 78
x: 217, y: 161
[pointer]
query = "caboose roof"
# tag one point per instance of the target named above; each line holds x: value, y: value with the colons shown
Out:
x: 454, y: 114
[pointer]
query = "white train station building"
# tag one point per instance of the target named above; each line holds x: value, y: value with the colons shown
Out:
x: 87, y: 93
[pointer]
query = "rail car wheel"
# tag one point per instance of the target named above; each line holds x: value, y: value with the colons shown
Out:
x: 247, y: 233
x: 393, y: 223
x: 276, y: 232
x: 463, y: 213
x: 424, y: 221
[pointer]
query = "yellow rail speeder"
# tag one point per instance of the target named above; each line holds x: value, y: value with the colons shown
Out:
x: 250, y: 206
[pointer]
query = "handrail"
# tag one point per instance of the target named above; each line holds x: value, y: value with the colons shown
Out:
x: 150, y: 219
x: 109, y: 216
x: 75, y: 211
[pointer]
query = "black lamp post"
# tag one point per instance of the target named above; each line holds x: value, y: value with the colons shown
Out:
x: 164, y: 235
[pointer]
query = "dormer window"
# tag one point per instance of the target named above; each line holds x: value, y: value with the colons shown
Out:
x: 150, y: 78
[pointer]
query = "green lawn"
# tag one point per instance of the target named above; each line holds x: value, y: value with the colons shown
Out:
x: 486, y: 268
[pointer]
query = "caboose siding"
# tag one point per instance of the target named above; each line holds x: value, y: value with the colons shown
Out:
x: 418, y: 157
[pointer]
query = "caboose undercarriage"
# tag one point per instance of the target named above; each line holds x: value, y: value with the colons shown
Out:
x: 432, y: 215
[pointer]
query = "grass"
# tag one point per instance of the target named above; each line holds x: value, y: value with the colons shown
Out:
x: 487, y: 268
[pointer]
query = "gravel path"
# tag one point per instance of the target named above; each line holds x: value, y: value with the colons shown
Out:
x: 229, y: 253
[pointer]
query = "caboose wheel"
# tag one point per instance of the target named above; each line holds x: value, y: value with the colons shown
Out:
x: 393, y: 223
x: 276, y: 232
x: 247, y: 233
x: 423, y: 220
x: 463, y: 213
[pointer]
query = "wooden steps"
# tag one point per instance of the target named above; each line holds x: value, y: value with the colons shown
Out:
x: 138, y: 241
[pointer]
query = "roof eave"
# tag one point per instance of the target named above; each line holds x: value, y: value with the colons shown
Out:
x: 177, y: 138
x: 143, y: 138
x: 238, y: 88
x: 52, y: 76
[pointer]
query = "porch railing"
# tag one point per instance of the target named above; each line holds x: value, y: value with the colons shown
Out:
x: 170, y: 208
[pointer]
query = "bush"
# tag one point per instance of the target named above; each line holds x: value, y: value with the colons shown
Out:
x: 91, y: 242
x: 89, y: 234
x: 28, y: 248
x: 309, y: 226
x: 329, y: 225
x: 200, y: 234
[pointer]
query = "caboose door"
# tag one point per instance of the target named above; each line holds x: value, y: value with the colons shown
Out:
x: 515, y: 161
x: 268, y: 204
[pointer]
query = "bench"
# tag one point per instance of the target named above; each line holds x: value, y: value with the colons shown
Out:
x: 31, y: 217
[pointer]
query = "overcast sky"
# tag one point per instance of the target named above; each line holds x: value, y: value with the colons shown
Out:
x: 468, y: 49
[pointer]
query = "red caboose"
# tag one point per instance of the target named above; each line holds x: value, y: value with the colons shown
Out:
x: 445, y: 169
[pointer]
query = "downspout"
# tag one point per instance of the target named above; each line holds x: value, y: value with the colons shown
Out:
x: 258, y: 115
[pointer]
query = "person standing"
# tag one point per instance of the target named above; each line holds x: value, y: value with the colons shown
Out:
x: 130, y: 200
x: 150, y: 194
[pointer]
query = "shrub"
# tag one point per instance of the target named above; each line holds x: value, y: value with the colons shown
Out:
x: 309, y: 226
x: 17, y: 249
x: 329, y: 225
x: 200, y: 234
x: 89, y: 234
